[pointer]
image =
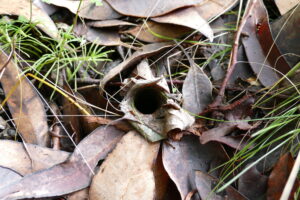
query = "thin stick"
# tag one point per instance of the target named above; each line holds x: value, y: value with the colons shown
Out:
x: 233, y: 60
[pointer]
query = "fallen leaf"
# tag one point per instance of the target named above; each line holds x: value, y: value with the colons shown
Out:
x: 146, y: 51
x: 188, y: 17
x: 285, y: 5
x: 257, y: 59
x: 79, y: 195
x: 281, y: 171
x: 196, y: 90
x: 287, y: 38
x: 212, y: 9
x: 88, y: 9
x: 161, y: 178
x: 235, y: 116
x: 127, y: 173
x: 25, y: 105
x: 8, y: 176
x: 177, y: 119
x: 219, y: 134
x: 34, y: 158
x: 36, y: 15
x: 150, y: 8
x: 243, y: 69
x: 156, y: 32
x: 98, y: 36
x: 63, y: 178
x: 71, y: 112
x: 206, y: 184
x: 49, y: 9
x: 109, y: 23
x: 269, y: 45
x: 181, y: 158
x: 253, y: 184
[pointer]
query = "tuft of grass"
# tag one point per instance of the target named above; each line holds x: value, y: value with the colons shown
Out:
x: 47, y: 55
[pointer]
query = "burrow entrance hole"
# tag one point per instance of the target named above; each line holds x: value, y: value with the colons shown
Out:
x: 147, y: 100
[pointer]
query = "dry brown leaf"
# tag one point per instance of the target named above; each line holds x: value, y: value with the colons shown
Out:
x: 285, y: 5
x: 145, y: 32
x: 196, y: 90
x: 253, y: 184
x: 214, y: 8
x: 88, y: 9
x: 109, y: 23
x: 188, y: 17
x: 99, y: 36
x: 71, y: 112
x: 205, y: 184
x: 79, y: 195
x: 146, y: 51
x: 287, y: 38
x: 8, y: 176
x: 127, y: 172
x: 25, y: 105
x: 177, y: 120
x: 257, y: 59
x: 149, y: 8
x: 71, y: 175
x: 219, y: 134
x: 182, y: 158
x: 36, y: 15
x: 14, y: 156
x: 279, y: 177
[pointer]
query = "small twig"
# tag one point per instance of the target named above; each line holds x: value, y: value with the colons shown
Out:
x: 8, y: 59
x: 226, y: 107
x: 233, y: 60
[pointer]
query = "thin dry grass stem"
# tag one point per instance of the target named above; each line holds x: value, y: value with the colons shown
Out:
x: 291, y: 180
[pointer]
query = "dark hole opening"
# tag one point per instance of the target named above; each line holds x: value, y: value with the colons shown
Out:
x: 148, y: 100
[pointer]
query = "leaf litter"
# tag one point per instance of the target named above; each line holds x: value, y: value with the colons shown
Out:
x: 162, y: 119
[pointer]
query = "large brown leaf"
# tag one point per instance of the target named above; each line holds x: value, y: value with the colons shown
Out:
x: 149, y: 8
x: 88, y: 9
x: 127, y: 173
x: 279, y: 177
x: 188, y: 17
x: 182, y: 158
x: 36, y: 15
x: 14, y: 156
x: 25, y: 105
x: 72, y: 175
